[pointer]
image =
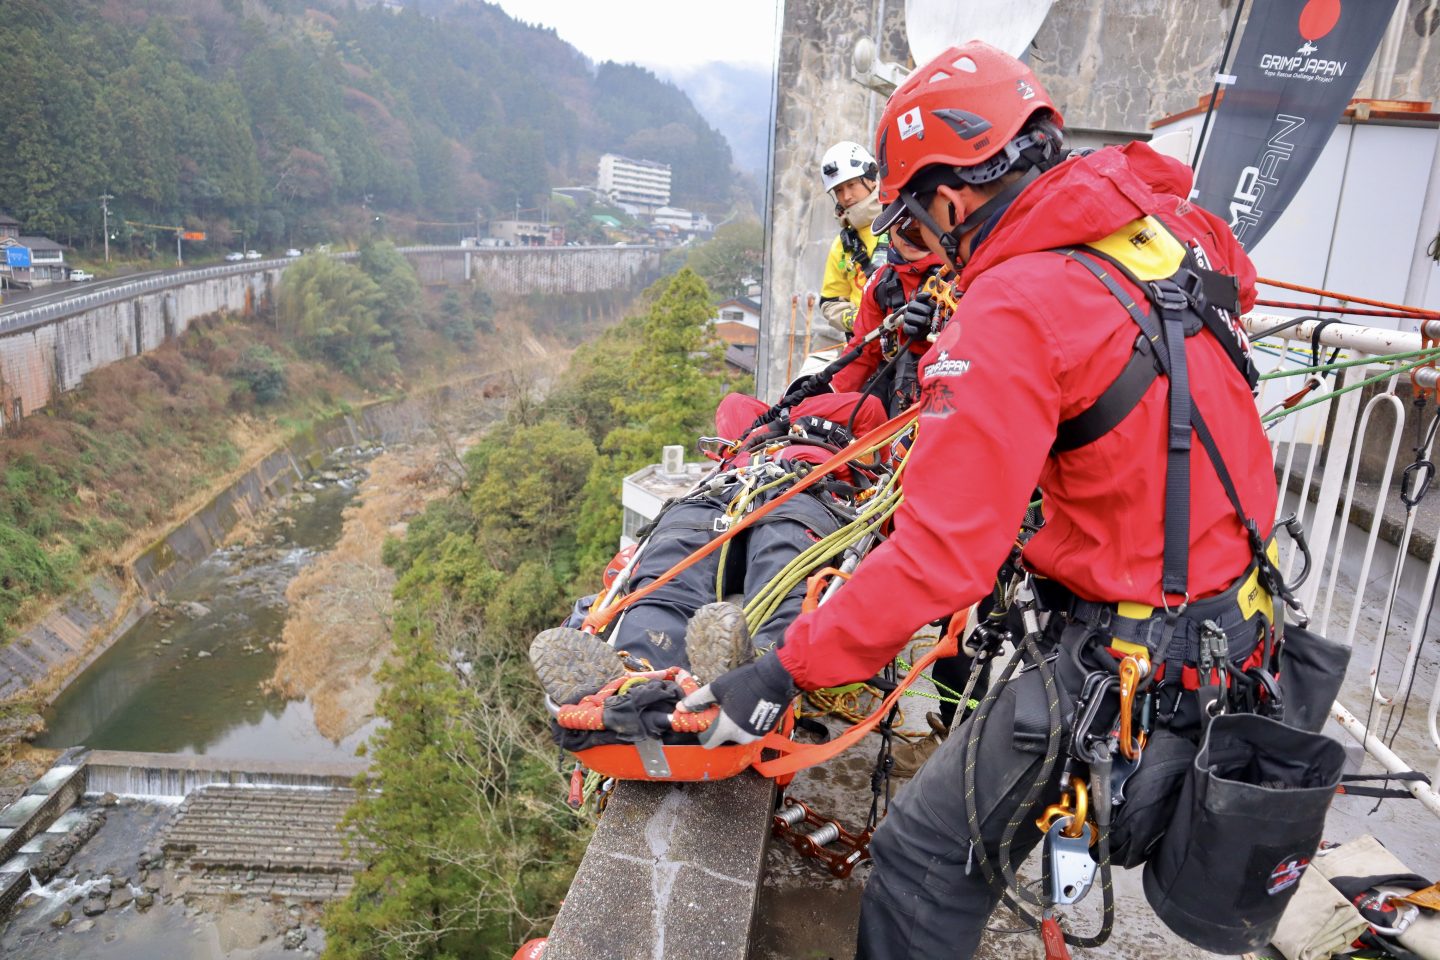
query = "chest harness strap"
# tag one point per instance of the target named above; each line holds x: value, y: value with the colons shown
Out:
x: 1194, y: 298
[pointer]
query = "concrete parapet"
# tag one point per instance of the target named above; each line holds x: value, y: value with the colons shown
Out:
x: 672, y: 872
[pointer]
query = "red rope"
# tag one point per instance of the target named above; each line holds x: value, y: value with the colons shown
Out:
x: 1299, y: 288
x: 1360, y: 311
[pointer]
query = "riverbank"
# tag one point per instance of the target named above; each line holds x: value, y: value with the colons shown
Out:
x: 337, y: 633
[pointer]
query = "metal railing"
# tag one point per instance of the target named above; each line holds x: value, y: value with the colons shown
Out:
x: 37, y: 316
x: 1337, y: 450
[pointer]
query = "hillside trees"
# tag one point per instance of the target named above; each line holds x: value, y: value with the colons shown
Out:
x: 216, y: 115
x: 733, y: 255
x: 470, y: 846
x: 669, y: 395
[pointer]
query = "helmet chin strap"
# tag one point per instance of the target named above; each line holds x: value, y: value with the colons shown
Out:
x: 950, y: 239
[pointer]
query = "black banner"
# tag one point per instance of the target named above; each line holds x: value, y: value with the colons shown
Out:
x: 1297, y: 68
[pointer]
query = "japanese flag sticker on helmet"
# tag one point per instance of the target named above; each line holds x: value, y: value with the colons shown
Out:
x: 911, y: 124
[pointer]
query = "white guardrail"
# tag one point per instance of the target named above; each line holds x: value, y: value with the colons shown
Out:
x: 1360, y: 588
x: 36, y: 316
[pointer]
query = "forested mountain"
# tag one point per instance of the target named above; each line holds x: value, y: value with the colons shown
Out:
x: 291, y: 119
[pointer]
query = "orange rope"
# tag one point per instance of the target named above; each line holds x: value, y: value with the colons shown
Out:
x: 1430, y: 314
x: 790, y: 346
x: 809, y: 317
x: 1328, y: 308
x: 597, y: 620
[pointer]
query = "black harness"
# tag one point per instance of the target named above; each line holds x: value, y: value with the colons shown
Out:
x: 1193, y: 299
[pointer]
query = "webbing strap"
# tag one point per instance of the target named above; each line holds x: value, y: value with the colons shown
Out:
x: 1176, y: 571
x: 1168, y: 343
x: 1122, y: 396
x: 799, y: 756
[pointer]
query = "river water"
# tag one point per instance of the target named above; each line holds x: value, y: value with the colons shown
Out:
x: 188, y: 677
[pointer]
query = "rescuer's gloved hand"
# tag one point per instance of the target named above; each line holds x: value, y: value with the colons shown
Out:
x: 752, y: 699
x: 840, y: 314
x: 919, y: 317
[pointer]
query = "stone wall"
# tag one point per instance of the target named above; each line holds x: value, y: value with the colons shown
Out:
x: 1112, y: 66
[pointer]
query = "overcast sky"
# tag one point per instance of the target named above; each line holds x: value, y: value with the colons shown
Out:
x: 666, y: 35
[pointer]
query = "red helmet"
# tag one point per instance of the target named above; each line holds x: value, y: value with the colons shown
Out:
x: 966, y: 110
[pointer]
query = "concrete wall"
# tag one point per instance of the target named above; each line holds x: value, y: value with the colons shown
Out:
x: 45, y: 359
x: 816, y: 104
x: 49, y: 350
x: 1112, y: 66
x: 47, y: 655
x: 525, y: 270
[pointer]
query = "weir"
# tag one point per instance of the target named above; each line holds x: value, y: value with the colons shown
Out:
x: 175, y: 776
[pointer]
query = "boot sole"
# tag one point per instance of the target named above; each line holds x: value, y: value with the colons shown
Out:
x: 571, y: 664
x: 717, y: 640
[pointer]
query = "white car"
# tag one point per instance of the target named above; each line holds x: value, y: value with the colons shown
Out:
x: 292, y: 252
x: 78, y: 275
x: 237, y: 255
x: 252, y: 254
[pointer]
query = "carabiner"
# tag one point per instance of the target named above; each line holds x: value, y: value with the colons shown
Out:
x: 1075, y: 804
x: 1132, y: 670
x: 1415, y: 483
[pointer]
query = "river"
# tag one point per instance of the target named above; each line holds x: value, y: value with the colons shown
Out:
x: 189, y: 676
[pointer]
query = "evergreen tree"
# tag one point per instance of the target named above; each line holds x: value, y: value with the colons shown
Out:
x: 415, y: 822
x: 670, y: 397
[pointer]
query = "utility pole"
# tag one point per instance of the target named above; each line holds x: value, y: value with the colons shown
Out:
x: 105, y: 199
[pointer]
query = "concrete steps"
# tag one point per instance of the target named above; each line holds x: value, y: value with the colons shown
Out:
x: 265, y: 840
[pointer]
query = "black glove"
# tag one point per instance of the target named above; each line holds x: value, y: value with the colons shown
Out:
x: 752, y: 699
x: 919, y: 317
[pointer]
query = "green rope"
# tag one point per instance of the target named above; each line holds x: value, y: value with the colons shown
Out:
x: 943, y: 693
x: 1343, y: 364
x: 1277, y: 414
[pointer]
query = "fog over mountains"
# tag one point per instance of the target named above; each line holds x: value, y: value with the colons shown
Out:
x: 735, y: 99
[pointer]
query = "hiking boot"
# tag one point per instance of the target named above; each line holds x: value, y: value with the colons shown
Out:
x: 908, y: 757
x: 717, y: 640
x: 937, y: 725
x: 572, y: 664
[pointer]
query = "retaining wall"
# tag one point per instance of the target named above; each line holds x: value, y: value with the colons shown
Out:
x: 48, y: 350
x: 68, y: 639
x: 43, y: 360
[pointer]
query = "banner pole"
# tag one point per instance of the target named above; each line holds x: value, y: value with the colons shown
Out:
x: 1215, y: 93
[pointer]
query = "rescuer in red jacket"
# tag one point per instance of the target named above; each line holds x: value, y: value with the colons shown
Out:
x: 889, y: 288
x: 970, y: 149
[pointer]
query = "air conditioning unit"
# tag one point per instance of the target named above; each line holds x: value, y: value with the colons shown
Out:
x: 672, y: 460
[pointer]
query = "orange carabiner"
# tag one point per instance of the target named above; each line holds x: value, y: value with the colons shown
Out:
x: 1075, y: 804
x: 1132, y: 670
x: 816, y: 584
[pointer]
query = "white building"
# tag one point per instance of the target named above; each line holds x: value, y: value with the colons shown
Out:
x: 641, y: 184
x: 684, y: 221
x: 645, y: 491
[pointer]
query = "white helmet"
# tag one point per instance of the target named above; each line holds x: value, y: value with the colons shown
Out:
x: 846, y: 161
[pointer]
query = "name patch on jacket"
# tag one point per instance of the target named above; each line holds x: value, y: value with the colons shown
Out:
x: 946, y: 367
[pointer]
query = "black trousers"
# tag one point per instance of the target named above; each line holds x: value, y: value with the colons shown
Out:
x: 927, y: 897
x: 653, y: 628
x: 920, y: 901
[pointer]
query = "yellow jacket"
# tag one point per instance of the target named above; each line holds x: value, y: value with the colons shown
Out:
x: 844, y: 280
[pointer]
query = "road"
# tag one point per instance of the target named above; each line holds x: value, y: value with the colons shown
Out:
x: 16, y: 300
